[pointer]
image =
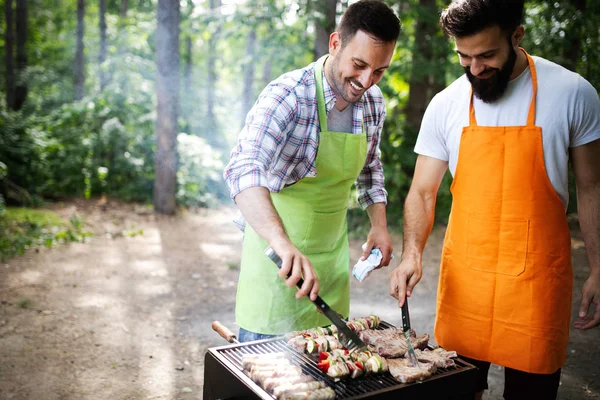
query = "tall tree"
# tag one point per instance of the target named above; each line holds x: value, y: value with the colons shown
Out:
x: 21, y: 84
x: 248, y: 94
x: 102, y: 53
x: 79, y: 57
x: 9, y: 56
x: 211, y: 119
x: 423, y: 80
x: 121, y: 26
x: 324, y: 26
x: 167, y: 95
x: 187, y: 102
x: 188, y: 87
x: 267, y: 72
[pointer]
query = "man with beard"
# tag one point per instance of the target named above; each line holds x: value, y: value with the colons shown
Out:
x: 507, y: 130
x: 311, y: 134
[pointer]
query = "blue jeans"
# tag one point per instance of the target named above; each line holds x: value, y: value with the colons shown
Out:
x: 248, y: 336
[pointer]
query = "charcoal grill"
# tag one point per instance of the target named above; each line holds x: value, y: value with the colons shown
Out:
x: 224, y: 377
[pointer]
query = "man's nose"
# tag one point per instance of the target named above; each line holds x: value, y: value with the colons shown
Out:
x: 366, y: 79
x: 476, y: 67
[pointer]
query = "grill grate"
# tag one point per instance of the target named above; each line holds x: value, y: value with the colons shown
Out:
x: 345, y: 388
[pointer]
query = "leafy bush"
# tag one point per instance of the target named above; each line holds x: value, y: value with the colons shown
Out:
x: 103, y: 145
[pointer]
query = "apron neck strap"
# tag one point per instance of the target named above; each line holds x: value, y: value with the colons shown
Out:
x: 531, y: 115
x: 322, y: 111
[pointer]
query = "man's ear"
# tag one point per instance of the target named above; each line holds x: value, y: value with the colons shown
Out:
x: 517, y: 36
x: 335, y: 43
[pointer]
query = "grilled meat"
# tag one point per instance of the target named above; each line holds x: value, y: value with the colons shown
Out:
x: 341, y: 364
x: 391, y: 343
x: 319, y: 394
x: 276, y: 374
x: 357, y: 325
x: 402, y: 370
x: 440, y: 357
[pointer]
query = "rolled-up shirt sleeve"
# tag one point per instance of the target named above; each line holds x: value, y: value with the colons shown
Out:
x: 261, y: 139
x: 370, y: 182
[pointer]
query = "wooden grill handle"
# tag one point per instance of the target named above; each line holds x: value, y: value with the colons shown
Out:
x: 224, y: 332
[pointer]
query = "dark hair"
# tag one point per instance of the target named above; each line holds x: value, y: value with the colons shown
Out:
x: 467, y: 17
x: 372, y: 17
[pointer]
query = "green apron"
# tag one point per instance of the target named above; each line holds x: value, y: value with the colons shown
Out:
x: 313, y: 212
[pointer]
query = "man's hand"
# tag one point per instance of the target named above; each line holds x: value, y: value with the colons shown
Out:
x: 379, y: 238
x: 404, y: 278
x: 591, y: 295
x: 296, y: 265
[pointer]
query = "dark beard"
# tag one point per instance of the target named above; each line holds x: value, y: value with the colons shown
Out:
x: 491, y: 89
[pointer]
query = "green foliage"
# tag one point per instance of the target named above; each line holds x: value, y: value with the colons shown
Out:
x: 199, y: 182
x: 105, y: 144
x: 24, y: 228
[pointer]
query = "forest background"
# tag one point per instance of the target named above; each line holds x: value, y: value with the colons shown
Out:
x: 141, y: 100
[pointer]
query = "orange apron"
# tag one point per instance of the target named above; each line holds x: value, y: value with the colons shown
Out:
x: 505, y: 286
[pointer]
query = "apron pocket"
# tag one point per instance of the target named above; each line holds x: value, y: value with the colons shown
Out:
x: 325, y: 232
x: 497, y: 245
x: 296, y: 226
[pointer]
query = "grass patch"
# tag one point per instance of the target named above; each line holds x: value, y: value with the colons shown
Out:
x: 25, y: 303
x: 28, y: 215
x: 233, y: 266
x: 24, y: 228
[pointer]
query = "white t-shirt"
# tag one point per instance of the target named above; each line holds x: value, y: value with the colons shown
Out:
x: 567, y: 110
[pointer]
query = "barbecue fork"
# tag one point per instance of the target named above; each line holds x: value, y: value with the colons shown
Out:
x: 406, y: 326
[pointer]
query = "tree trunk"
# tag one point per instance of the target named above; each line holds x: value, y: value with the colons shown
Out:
x: 267, y: 72
x: 189, y: 100
x: 167, y: 95
x: 9, y: 60
x: 248, y: 71
x: 188, y: 88
x: 21, y: 88
x: 424, y: 82
x: 122, y: 36
x: 324, y: 26
x: 79, y: 57
x: 573, y: 36
x: 102, y: 54
x: 421, y: 82
x: 211, y: 119
x: 124, y: 8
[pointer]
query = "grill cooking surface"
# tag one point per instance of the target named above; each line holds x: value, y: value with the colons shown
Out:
x: 345, y: 388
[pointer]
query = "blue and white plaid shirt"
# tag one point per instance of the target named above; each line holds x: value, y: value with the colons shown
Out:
x: 278, y: 144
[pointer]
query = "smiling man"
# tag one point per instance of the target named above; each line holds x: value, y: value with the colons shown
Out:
x: 507, y: 130
x: 311, y: 134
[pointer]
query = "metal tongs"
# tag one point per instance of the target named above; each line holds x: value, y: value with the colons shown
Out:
x: 406, y: 326
x: 347, y: 336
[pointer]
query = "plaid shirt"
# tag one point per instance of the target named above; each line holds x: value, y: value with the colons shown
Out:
x: 278, y: 144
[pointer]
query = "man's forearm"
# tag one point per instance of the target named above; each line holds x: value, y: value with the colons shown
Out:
x: 419, y: 211
x: 588, y: 208
x: 377, y: 215
x: 258, y: 210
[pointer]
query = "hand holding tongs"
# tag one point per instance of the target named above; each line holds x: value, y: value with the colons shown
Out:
x: 347, y: 336
x: 406, y: 326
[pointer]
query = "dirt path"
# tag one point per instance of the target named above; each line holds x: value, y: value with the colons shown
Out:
x: 129, y: 317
